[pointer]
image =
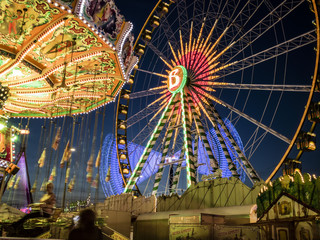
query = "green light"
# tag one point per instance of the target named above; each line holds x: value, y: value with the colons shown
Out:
x: 2, y: 126
x: 131, y: 179
x: 14, y: 138
x: 185, y: 139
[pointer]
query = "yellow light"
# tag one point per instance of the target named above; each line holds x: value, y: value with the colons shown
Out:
x: 24, y: 131
x: 312, y: 146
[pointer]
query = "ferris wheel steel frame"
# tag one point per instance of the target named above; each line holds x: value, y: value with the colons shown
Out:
x: 130, y: 176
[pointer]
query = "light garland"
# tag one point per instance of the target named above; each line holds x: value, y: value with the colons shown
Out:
x: 134, y: 61
x: 26, y: 92
x: 127, y: 29
x: 55, y: 69
x: 30, y: 46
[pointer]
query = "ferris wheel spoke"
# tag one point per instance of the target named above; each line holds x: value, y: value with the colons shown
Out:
x: 158, y: 52
x: 245, y: 14
x: 152, y: 73
x: 166, y: 28
x: 255, y: 142
x: 145, y: 93
x: 236, y: 23
x: 154, y: 107
x: 239, y: 22
x: 266, y: 23
x: 257, y: 123
x: 197, y: 16
x: 182, y: 16
x: 142, y: 114
x: 265, y: 87
x: 141, y: 137
x: 285, y: 47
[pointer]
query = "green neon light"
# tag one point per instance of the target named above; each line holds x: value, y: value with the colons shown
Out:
x: 116, y: 89
x: 147, y: 147
x: 185, y: 139
x: 182, y: 80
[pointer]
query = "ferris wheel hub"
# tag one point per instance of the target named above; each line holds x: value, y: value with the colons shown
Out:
x: 177, y: 79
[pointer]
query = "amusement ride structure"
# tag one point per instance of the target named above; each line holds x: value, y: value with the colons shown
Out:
x: 252, y: 63
x: 216, y: 83
x: 60, y: 59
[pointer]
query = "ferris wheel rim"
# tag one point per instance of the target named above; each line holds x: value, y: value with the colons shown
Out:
x: 305, y: 112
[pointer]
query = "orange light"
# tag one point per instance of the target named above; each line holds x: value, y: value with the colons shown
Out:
x: 125, y: 171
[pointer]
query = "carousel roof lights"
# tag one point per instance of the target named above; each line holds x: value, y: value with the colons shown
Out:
x: 31, y: 46
x: 11, y: 110
x: 57, y: 68
x: 28, y: 92
x: 32, y: 101
x: 124, y: 37
x: 51, y: 29
x: 25, y: 107
x: 134, y: 61
x: 80, y: 8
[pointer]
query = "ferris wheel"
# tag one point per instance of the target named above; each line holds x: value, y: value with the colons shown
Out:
x: 222, y: 89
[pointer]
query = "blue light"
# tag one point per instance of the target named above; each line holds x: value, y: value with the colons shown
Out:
x: 109, y: 159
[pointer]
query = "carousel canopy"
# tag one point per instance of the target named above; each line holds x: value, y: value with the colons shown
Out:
x: 62, y: 58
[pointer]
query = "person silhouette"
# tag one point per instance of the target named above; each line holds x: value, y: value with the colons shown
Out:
x: 86, y: 228
x: 47, y: 203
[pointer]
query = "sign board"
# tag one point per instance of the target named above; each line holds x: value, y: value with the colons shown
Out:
x: 183, y: 219
x: 186, y: 231
x: 223, y: 232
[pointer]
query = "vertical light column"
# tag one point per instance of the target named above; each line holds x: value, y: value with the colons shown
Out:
x: 137, y: 171
x: 164, y: 154
x: 187, y: 141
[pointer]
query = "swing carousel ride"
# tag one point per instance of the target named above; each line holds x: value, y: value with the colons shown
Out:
x: 222, y: 88
x: 60, y: 59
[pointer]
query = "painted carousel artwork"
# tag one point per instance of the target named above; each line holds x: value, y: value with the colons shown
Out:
x: 62, y: 58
